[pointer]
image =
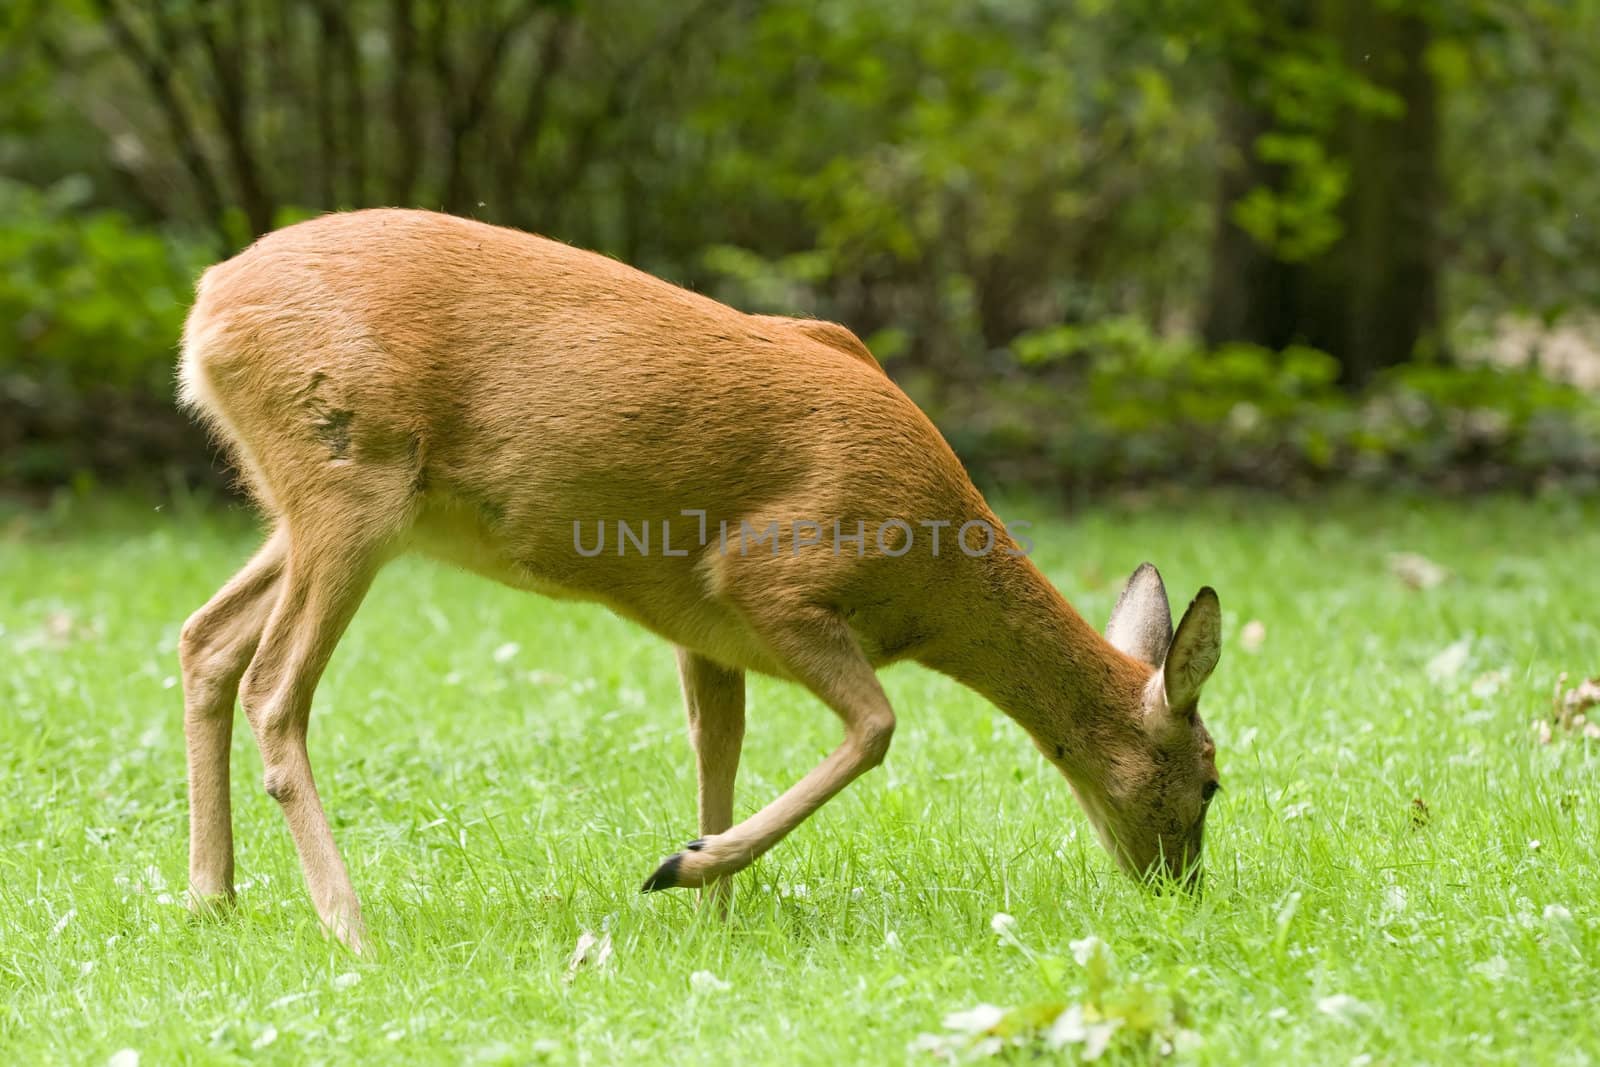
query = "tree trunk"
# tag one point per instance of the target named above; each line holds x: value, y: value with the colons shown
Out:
x: 1371, y: 299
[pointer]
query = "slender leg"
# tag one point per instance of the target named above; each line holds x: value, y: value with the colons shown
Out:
x: 818, y: 650
x: 323, y: 584
x: 713, y: 695
x: 214, y: 650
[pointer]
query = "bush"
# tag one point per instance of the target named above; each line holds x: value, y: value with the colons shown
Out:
x: 91, y: 307
x: 1111, y: 401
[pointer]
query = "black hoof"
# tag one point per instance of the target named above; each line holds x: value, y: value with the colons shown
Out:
x: 666, y: 876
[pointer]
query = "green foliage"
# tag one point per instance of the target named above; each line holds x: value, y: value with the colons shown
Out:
x: 1308, y: 88
x: 1113, y: 401
x: 927, y: 149
x: 91, y: 307
x: 89, y: 298
x: 1521, y: 143
x: 1015, y: 202
x: 1300, y: 220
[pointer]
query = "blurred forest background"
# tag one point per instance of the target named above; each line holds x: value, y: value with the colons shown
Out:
x: 1100, y: 242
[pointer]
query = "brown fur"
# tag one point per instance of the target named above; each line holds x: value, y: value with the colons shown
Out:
x: 392, y: 381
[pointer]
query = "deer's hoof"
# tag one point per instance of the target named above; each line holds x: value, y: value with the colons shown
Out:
x: 701, y: 862
x: 666, y: 875
x: 210, y: 907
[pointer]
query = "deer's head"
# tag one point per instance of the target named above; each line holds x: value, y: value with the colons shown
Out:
x: 1150, y: 806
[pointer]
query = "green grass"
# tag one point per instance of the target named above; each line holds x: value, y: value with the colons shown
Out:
x: 502, y: 772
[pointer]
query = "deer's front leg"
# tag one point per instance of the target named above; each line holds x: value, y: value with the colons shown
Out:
x: 817, y: 650
x: 713, y: 696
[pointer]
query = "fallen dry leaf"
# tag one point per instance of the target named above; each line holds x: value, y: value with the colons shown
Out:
x: 1489, y: 683
x: 1445, y: 666
x: 1580, y: 699
x: 1253, y: 636
x: 58, y: 629
x: 592, y: 950
x: 1420, y: 815
x: 707, y: 982
x: 1344, y: 1007
x: 1569, y: 710
x: 1417, y: 571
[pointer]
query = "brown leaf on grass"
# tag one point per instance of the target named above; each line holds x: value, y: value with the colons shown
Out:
x: 1417, y: 571
x: 1253, y: 636
x: 1569, y: 710
x: 58, y: 629
x: 1449, y: 662
x: 1581, y: 698
x: 1420, y: 815
x: 593, y: 951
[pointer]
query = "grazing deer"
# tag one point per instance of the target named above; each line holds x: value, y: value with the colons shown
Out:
x: 391, y: 381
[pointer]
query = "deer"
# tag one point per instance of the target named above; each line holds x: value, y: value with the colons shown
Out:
x: 392, y: 381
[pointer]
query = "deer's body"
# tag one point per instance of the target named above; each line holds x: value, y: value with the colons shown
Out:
x: 391, y: 381
x: 491, y: 388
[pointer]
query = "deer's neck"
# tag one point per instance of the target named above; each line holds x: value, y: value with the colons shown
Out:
x: 1019, y: 643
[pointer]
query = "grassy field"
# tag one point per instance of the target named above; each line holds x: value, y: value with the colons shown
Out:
x: 1398, y: 871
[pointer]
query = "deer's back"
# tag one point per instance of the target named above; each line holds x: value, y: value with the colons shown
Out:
x: 522, y: 386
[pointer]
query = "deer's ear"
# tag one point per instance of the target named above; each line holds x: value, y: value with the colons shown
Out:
x: 1141, y: 623
x: 1194, y: 652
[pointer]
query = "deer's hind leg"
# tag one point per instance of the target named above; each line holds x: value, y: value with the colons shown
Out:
x: 343, y: 519
x: 334, y: 553
x: 214, y: 650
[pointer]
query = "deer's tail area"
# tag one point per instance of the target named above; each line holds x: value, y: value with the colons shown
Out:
x: 205, y: 340
x: 290, y: 387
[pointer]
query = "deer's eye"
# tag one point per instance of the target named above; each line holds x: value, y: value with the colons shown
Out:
x: 1208, y: 791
